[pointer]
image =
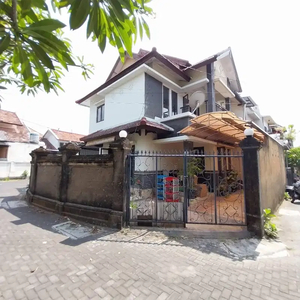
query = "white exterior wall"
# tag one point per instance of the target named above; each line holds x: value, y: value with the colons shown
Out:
x: 18, y: 160
x: 145, y: 143
x: 238, y: 110
x: 52, y: 139
x: 19, y: 152
x: 123, y: 105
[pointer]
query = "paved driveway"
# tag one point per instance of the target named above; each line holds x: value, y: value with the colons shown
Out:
x: 38, y: 261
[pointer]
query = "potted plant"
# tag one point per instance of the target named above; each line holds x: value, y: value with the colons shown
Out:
x: 193, y: 169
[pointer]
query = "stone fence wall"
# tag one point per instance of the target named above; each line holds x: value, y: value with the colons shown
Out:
x: 272, y: 174
x: 86, y: 187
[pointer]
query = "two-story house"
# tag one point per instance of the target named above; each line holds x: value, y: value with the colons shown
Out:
x: 154, y: 96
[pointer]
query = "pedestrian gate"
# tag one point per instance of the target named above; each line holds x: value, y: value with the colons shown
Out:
x: 182, y: 188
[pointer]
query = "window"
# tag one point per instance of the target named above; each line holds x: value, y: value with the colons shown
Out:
x: 174, y: 103
x: 3, y: 152
x: 100, y: 113
x: 166, y: 99
x: 170, y: 102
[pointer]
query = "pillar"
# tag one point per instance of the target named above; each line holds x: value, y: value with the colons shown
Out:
x: 36, y: 155
x: 210, y: 73
x: 67, y: 151
x: 120, y: 150
x: 254, y: 212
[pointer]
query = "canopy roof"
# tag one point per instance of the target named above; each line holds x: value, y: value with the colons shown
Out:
x: 223, y: 127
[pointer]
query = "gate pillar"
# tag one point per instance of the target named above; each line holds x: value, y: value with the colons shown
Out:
x: 254, y: 213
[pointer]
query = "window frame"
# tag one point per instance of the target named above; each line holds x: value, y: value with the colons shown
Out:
x: 167, y: 90
x: 102, y: 108
x: 174, y: 100
x: 171, y: 98
x: 4, y: 153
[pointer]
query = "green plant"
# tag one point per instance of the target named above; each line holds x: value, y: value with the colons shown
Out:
x: 133, y: 205
x: 33, y: 50
x: 25, y: 174
x: 6, y: 178
x: 269, y: 227
x: 286, y: 196
x: 230, y: 183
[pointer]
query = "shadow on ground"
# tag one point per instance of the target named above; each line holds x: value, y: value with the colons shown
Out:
x: 235, y: 249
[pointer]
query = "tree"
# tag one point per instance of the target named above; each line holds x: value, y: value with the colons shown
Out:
x: 33, y: 51
x: 290, y: 134
x: 293, y: 157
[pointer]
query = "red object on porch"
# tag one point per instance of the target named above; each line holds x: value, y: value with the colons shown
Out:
x: 172, y: 189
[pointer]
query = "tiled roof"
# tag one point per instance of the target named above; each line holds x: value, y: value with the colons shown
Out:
x: 139, y: 62
x: 67, y: 136
x: 178, y: 62
x: 143, y: 123
x: 14, y: 133
x: 12, y: 129
x: 9, y: 117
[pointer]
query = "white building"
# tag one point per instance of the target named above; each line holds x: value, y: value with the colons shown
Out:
x: 16, y: 142
x: 154, y: 96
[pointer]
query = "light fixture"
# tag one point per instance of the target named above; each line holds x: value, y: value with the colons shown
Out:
x: 123, y: 134
x: 249, y: 132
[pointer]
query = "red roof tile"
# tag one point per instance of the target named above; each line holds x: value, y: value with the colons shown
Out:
x: 9, y: 117
x: 178, y: 62
x: 67, y: 136
x: 143, y: 123
x: 12, y: 129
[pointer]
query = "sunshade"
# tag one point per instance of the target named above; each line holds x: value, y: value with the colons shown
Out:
x: 222, y: 127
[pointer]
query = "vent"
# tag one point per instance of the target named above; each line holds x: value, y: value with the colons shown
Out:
x: 34, y: 138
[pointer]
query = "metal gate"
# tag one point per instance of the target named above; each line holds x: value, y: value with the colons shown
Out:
x: 182, y: 188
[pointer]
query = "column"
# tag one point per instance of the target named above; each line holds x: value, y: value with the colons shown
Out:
x: 254, y: 213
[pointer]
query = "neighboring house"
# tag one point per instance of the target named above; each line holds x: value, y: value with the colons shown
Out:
x: 153, y: 97
x: 54, y: 139
x: 16, y: 142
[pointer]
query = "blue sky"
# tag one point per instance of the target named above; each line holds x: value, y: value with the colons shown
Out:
x: 263, y: 35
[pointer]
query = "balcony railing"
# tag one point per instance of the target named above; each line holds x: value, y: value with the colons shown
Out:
x: 187, y: 108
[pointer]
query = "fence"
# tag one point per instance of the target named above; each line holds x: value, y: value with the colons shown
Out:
x: 13, y: 169
x: 185, y: 188
x: 88, y: 187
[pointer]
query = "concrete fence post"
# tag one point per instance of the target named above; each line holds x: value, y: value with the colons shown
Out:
x: 67, y: 151
x: 120, y: 150
x: 254, y: 213
x: 36, y: 155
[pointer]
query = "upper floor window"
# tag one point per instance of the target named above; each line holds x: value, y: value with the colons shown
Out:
x: 100, y: 113
x: 170, y: 102
x: 166, y: 100
x: 174, y: 103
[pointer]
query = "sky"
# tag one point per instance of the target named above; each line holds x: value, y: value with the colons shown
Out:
x: 263, y: 36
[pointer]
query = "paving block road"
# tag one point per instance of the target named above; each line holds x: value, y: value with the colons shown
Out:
x: 39, y: 262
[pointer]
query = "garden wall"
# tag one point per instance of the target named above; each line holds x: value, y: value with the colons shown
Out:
x: 272, y: 174
x: 86, y: 187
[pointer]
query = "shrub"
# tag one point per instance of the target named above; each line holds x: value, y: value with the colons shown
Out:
x: 269, y: 227
x: 24, y: 174
x: 286, y: 196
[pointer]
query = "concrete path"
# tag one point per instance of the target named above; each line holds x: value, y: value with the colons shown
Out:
x: 45, y: 256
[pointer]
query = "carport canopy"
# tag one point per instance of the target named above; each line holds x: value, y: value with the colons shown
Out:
x: 223, y: 127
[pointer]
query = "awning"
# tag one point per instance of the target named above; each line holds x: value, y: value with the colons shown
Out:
x: 223, y: 127
x: 131, y: 127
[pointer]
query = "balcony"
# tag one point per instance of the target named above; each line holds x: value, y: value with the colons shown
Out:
x: 183, y: 119
x: 187, y: 108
